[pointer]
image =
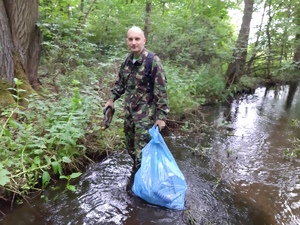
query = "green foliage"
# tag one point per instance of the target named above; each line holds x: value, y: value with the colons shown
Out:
x: 180, y: 90
x: 4, y: 175
x: 277, y: 43
x: 294, y: 151
x: 197, y: 35
x: 47, y: 138
x: 188, y: 89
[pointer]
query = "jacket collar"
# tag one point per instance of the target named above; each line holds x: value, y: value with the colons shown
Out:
x: 142, y: 56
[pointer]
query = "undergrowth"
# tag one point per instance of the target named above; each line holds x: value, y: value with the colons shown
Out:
x: 47, y: 140
x: 294, y: 151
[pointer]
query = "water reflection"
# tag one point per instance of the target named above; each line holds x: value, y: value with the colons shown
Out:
x: 256, y: 168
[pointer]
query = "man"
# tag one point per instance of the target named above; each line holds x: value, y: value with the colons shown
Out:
x: 144, y: 106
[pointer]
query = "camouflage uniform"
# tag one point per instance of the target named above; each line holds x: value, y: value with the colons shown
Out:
x: 140, y: 111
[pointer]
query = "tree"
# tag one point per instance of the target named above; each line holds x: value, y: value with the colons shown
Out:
x: 297, y: 38
x: 20, y: 46
x: 147, y: 18
x: 236, y: 66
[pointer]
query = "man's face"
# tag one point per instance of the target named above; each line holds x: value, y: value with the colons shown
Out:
x: 135, y: 41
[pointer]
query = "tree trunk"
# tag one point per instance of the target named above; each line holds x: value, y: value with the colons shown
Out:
x: 6, y: 47
x: 297, y: 51
x: 285, y: 37
x: 297, y: 39
x: 256, y: 44
x: 236, y: 66
x: 147, y: 18
x: 20, y: 43
x: 269, y: 57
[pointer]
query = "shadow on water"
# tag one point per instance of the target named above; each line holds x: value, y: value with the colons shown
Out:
x: 236, y: 174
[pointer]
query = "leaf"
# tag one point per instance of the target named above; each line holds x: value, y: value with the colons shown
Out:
x: 55, y: 167
x: 37, y: 160
x: 38, y: 151
x: 33, y: 166
x: 71, y: 187
x: 63, y: 177
x: 66, y: 159
x: 72, y: 142
x: 17, y: 81
x: 48, y: 160
x: 6, y: 133
x: 75, y: 82
x: 14, y: 123
x: 74, y: 175
x: 38, y: 146
x: 60, y: 170
x: 45, y: 178
x: 4, y: 179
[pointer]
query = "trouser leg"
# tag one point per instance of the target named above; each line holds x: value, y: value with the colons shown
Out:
x: 136, y: 138
x: 129, y: 130
x: 142, y: 138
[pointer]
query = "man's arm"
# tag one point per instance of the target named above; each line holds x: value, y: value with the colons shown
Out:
x: 119, y: 87
x: 117, y: 90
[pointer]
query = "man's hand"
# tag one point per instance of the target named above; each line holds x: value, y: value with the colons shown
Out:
x: 110, y: 102
x: 160, y: 123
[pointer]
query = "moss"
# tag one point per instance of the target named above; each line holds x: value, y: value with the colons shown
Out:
x: 6, y: 99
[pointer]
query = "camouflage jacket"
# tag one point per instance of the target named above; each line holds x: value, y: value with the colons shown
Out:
x: 131, y: 83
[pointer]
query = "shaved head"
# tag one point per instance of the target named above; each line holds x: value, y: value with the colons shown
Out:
x: 137, y: 30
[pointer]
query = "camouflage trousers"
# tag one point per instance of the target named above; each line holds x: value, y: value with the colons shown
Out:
x: 137, y: 136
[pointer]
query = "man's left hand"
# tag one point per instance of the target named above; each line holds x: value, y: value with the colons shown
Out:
x: 160, y: 123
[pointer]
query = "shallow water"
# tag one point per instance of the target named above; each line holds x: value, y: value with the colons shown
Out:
x: 236, y: 174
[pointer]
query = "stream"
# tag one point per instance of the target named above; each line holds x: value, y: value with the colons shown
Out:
x: 237, y: 173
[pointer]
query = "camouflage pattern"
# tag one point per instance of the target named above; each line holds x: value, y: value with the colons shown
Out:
x: 140, y: 112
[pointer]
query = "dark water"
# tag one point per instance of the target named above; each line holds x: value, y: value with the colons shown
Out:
x: 236, y: 174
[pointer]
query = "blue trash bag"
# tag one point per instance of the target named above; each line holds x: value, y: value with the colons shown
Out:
x: 159, y: 181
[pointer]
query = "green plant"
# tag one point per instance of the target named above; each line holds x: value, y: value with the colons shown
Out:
x: 294, y: 151
x: 9, y: 114
x: 218, y: 182
x: 47, y: 139
x: 69, y: 178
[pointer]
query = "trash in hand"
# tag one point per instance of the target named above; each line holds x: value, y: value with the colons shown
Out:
x: 108, y: 115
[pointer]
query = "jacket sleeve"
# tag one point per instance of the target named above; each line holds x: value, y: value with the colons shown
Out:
x: 160, y: 90
x: 119, y: 87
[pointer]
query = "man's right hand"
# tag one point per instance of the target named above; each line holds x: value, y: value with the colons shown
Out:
x: 110, y: 103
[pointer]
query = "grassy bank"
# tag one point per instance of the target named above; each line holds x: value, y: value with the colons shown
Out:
x: 53, y: 138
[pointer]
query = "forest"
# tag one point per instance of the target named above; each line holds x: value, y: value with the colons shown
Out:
x: 59, y: 59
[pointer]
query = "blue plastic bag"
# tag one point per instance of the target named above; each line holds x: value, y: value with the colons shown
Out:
x: 159, y: 180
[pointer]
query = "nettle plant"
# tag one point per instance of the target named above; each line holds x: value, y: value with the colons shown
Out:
x: 43, y: 140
